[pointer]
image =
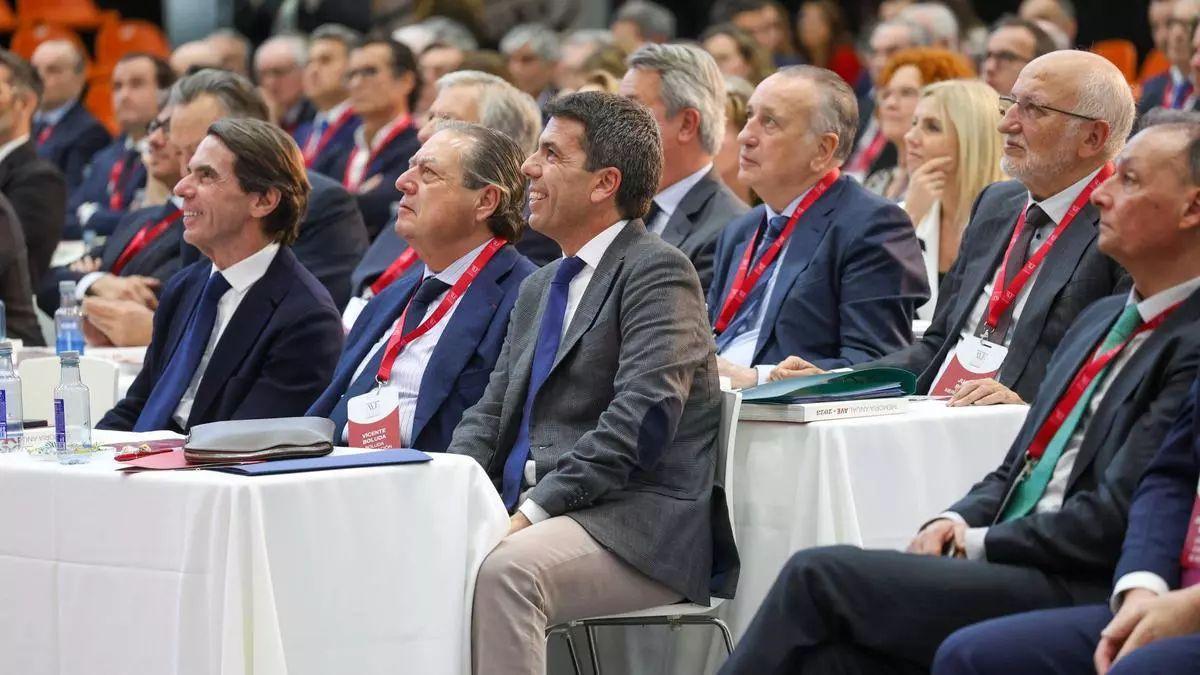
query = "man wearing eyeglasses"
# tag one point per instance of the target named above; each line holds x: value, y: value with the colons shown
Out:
x: 1012, y: 43
x: 1174, y: 89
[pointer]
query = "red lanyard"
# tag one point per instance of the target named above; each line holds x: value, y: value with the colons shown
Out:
x: 143, y: 238
x: 311, y: 151
x: 1079, y: 385
x: 116, y: 200
x: 393, y: 271
x: 867, y: 157
x: 352, y: 184
x: 744, y: 280
x: 397, y: 342
x: 44, y: 134
x: 1002, y: 297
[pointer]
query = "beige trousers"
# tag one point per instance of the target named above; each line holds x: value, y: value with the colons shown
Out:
x: 544, y: 575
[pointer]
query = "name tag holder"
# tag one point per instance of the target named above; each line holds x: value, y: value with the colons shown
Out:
x: 373, y: 419
x: 974, y: 359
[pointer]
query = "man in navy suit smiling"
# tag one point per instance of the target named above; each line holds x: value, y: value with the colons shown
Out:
x: 422, y: 350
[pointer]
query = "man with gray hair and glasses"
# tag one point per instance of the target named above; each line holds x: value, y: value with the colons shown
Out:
x: 684, y: 90
x: 532, y: 50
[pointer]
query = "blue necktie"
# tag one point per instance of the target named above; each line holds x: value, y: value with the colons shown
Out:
x: 1182, y: 91
x: 176, y: 377
x: 429, y: 290
x: 549, y: 337
x: 745, y: 318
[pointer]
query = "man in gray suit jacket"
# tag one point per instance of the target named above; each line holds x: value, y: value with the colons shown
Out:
x: 684, y: 88
x: 600, y: 419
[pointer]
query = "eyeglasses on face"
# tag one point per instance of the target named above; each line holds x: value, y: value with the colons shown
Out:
x: 1027, y: 109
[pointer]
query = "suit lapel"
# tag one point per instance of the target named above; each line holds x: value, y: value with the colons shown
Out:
x: 381, y: 322
x: 597, y: 289
x: 984, y: 270
x: 460, y: 340
x: 682, y: 220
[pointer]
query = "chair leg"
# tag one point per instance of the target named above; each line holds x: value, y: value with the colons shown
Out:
x: 591, y: 638
x: 728, y: 637
x: 565, y: 632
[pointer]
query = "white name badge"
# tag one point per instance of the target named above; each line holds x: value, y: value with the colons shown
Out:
x: 974, y: 359
x: 353, y: 309
x: 373, y: 419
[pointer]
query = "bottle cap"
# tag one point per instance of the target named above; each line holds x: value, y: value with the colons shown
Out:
x: 69, y: 357
x: 5, y: 347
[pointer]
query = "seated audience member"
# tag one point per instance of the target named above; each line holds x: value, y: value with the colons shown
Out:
x: 460, y: 210
x: 18, y: 315
x: 140, y: 255
x: 332, y: 238
x: 736, y: 53
x: 737, y: 94
x: 1069, y: 115
x: 35, y: 187
x: 823, y: 267
x: 248, y: 332
x: 115, y: 176
x: 825, y: 41
x: 279, y: 72
x: 436, y: 60
x: 685, y: 91
x: 328, y: 138
x: 465, y: 96
x: 953, y: 152
x: 1012, y: 43
x: 532, y: 50
x: 638, y: 22
x: 1174, y: 89
x: 1045, y: 528
x: 65, y: 133
x: 1058, y: 13
x: 887, y: 39
x: 577, y: 48
x: 938, y: 21
x: 194, y: 56
x: 232, y: 50
x: 610, y: 351
x: 1153, y: 596
x: 384, y: 85
x: 766, y: 21
x: 900, y: 87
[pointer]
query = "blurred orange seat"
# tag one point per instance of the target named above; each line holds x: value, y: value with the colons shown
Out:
x: 117, y: 38
x: 28, y: 37
x: 82, y: 14
x: 1121, y: 53
x: 98, y: 99
x: 1154, y: 64
x: 8, y: 19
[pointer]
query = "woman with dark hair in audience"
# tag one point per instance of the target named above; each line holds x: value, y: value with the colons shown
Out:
x: 825, y: 40
x: 897, y: 92
x: 737, y: 93
x: 736, y: 53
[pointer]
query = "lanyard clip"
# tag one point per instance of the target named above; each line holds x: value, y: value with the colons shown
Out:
x: 1027, y: 469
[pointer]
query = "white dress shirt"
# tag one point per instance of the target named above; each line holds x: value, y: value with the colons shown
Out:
x: 409, y: 367
x: 1056, y: 208
x: 668, y: 200
x: 356, y: 170
x: 740, y: 350
x: 591, y: 254
x: 241, y: 276
x: 929, y: 232
x: 1052, y: 499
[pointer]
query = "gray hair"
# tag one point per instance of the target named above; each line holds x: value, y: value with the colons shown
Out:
x: 1180, y: 121
x: 297, y: 44
x: 348, y: 37
x: 1104, y: 94
x: 237, y: 96
x: 540, y: 38
x: 937, y: 19
x: 494, y: 159
x: 502, y: 107
x: 690, y: 79
x: 448, y: 32
x: 836, y: 112
x: 918, y: 35
x: 596, y: 37
x: 652, y: 19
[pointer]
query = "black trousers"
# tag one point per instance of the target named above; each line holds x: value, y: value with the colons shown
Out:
x: 842, y: 609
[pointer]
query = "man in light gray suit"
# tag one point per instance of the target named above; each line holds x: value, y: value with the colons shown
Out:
x: 684, y: 89
x: 600, y: 419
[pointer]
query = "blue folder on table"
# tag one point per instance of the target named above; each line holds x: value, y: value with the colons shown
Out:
x: 348, y: 461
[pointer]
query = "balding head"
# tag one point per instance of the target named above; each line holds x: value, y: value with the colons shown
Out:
x: 192, y: 56
x: 1074, y: 112
x: 61, y: 66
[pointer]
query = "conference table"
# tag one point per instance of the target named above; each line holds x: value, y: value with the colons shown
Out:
x: 366, y: 570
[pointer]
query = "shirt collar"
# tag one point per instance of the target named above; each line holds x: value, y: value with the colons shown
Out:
x: 791, y: 208
x: 53, y: 117
x: 360, y: 134
x: 1177, y: 76
x: 243, y: 273
x: 331, y: 115
x: 668, y: 200
x: 7, y: 148
x: 456, y: 269
x: 1057, y: 205
x: 1159, y: 302
x: 592, y: 252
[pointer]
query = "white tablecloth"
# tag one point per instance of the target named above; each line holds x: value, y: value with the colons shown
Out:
x: 867, y: 481
x: 352, y: 571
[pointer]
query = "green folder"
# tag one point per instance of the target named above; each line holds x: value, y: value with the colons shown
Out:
x: 851, y: 385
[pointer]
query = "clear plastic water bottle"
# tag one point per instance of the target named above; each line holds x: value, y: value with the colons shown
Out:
x: 11, y: 425
x: 68, y: 322
x: 72, y: 411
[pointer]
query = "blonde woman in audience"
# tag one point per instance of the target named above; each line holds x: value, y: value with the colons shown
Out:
x: 737, y: 93
x: 952, y: 152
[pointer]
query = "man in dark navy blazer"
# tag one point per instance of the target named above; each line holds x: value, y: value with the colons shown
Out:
x: 1174, y: 89
x: 328, y: 137
x: 115, y: 177
x: 384, y: 85
x: 464, y: 192
x: 1044, y: 529
x: 1156, y: 627
x: 247, y: 332
x: 844, y: 286
x: 65, y: 133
